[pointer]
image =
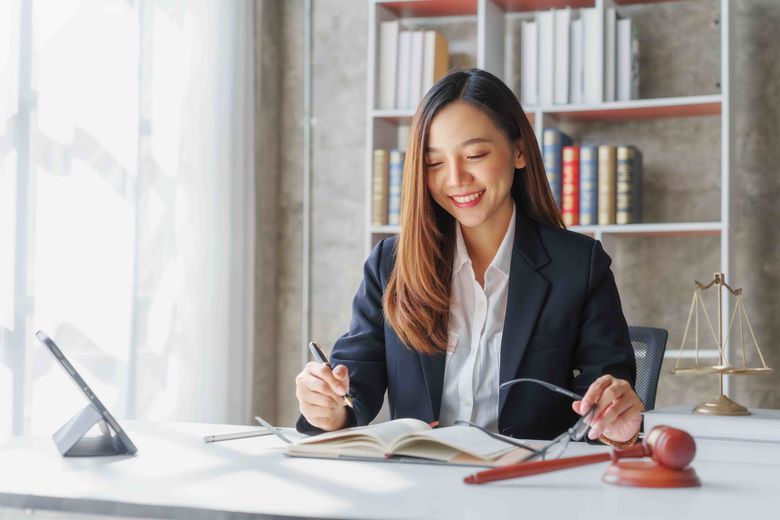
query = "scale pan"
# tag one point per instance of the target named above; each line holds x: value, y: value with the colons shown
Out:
x: 745, y: 371
x: 717, y: 369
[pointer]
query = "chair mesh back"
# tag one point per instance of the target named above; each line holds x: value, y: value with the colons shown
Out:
x: 649, y: 345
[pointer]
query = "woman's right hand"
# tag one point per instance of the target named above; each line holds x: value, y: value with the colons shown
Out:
x: 319, y: 390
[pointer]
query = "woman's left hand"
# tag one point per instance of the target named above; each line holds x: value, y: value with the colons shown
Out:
x: 619, y: 413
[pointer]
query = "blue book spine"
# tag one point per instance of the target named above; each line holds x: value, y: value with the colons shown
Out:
x: 589, y: 182
x: 396, y: 172
x: 553, y: 141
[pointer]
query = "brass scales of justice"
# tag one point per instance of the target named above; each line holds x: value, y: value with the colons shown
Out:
x: 722, y: 405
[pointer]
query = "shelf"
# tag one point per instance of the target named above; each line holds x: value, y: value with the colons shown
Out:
x: 394, y: 115
x: 398, y: 117
x: 687, y: 106
x: 437, y: 8
x: 677, y: 229
x: 691, y: 354
x: 516, y: 6
x: 385, y: 230
x: 429, y: 8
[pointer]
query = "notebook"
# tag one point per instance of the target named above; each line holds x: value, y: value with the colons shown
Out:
x: 405, y: 438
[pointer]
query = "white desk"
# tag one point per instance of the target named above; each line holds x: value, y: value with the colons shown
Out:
x: 176, y: 475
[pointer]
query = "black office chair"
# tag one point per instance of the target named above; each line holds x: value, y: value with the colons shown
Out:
x: 649, y: 347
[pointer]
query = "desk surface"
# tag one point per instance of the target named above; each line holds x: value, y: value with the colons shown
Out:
x: 176, y: 475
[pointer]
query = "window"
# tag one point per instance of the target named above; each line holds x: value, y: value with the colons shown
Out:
x: 125, y: 208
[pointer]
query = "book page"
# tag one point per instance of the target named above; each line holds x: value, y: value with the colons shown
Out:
x: 380, y: 436
x: 465, y: 439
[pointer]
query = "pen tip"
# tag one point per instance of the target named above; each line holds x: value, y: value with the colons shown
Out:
x: 470, y: 480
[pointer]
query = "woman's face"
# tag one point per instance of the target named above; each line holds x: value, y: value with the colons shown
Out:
x: 470, y: 164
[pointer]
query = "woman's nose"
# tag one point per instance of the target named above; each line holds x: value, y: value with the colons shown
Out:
x: 458, y: 175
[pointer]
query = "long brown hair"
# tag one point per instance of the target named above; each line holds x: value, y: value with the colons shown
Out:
x: 417, y: 298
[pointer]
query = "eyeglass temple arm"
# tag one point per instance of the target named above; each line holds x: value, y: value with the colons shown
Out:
x: 554, y: 388
x: 525, y: 469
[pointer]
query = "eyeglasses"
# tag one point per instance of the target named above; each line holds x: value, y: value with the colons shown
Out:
x: 558, y: 445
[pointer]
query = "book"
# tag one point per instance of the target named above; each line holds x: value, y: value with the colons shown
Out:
x: 589, y: 182
x: 553, y: 141
x: 411, y: 438
x: 739, y: 451
x: 610, y: 26
x: 761, y: 425
x: 562, y: 45
x: 571, y: 185
x: 388, y: 64
x: 436, y: 59
x: 395, y: 179
x: 628, y: 185
x: 416, y: 68
x: 627, y: 61
x: 575, y: 62
x: 592, y: 55
x: 546, y: 59
x: 379, y: 191
x: 403, y: 84
x: 529, y: 85
x: 607, y: 186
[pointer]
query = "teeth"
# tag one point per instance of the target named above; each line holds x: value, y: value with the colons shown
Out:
x: 467, y: 198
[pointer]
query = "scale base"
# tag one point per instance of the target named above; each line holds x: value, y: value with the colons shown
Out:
x: 649, y: 474
x: 721, y: 406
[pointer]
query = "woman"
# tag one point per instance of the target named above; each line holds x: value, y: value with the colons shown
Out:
x: 482, y: 285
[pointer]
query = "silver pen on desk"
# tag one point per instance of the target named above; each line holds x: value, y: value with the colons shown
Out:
x: 320, y: 356
x: 238, y: 435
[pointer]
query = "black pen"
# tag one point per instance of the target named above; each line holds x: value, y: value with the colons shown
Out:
x: 320, y: 356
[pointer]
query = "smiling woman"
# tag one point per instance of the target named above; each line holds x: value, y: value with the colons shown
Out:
x: 482, y: 285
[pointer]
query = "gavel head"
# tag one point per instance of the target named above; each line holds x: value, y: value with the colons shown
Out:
x: 670, y: 447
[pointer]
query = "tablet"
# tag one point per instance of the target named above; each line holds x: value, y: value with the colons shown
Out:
x: 121, y: 436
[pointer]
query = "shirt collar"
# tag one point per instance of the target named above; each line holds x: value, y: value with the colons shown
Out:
x: 503, y: 259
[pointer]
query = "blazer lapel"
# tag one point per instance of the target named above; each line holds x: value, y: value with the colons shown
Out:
x: 526, y: 295
x: 433, y: 372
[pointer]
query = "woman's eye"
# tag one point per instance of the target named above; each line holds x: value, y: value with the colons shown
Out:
x: 477, y: 156
x: 433, y: 165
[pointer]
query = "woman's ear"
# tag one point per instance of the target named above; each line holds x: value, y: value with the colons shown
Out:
x: 519, y: 154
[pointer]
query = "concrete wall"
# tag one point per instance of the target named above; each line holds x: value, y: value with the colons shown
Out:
x: 679, y: 56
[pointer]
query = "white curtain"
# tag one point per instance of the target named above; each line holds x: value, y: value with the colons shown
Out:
x: 139, y: 219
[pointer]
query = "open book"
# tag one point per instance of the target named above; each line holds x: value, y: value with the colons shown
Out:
x: 411, y: 438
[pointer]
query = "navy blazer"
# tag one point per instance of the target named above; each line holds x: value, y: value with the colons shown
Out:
x: 564, y: 324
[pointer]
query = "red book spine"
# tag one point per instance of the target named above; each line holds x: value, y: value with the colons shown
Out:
x: 571, y: 185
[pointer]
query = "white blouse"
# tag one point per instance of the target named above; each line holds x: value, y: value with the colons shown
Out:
x: 471, y: 374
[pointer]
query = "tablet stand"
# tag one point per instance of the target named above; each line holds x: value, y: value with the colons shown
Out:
x: 71, y: 441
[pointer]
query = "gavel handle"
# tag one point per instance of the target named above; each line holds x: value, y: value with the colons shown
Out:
x: 525, y: 469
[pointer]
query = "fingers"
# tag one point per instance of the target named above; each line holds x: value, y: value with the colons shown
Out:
x: 618, y: 407
x: 319, y: 400
x: 593, y: 394
x: 341, y: 374
x: 609, y: 417
x: 325, y: 373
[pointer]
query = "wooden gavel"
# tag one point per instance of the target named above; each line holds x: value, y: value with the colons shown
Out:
x: 669, y: 447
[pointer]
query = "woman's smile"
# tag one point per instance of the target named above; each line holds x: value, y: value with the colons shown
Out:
x: 467, y: 200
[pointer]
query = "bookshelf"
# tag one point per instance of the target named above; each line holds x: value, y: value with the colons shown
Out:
x: 494, y: 42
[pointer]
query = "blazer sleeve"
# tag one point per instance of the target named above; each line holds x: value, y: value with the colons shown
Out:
x: 603, y: 346
x: 362, y: 349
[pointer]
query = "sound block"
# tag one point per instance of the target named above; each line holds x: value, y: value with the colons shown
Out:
x: 649, y: 474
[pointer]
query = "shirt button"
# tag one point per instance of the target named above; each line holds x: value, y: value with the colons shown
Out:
x: 481, y: 305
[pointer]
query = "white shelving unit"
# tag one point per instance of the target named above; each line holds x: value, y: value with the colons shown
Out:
x: 385, y: 127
